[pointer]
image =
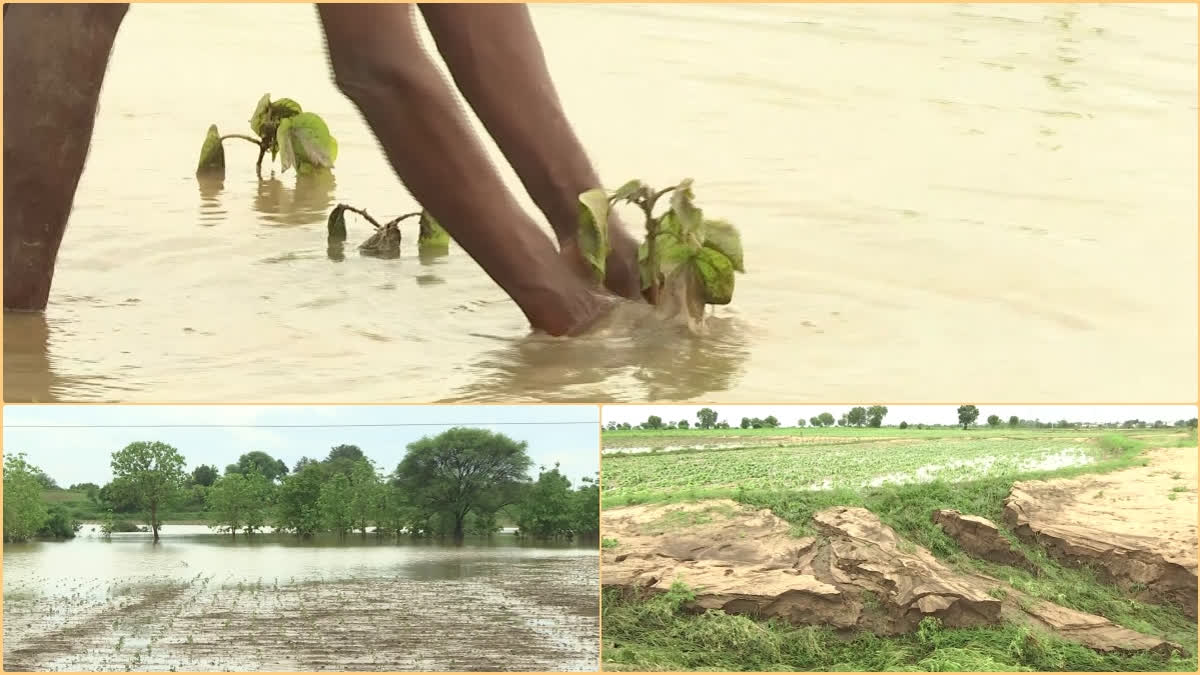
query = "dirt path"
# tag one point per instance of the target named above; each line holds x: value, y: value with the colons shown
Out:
x: 1137, y: 526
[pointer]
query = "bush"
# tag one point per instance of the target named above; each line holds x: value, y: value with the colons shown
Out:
x: 59, y: 524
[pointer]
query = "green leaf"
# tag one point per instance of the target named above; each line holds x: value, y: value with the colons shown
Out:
x: 722, y: 236
x: 628, y: 191
x: 644, y: 267
x: 258, y: 120
x: 337, y: 223
x: 432, y: 235
x: 284, y: 108
x: 684, y: 208
x: 212, y: 153
x: 716, y: 276
x: 593, y: 230
x: 305, y: 140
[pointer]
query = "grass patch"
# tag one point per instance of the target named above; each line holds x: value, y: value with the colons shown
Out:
x: 679, y: 519
x: 655, y: 633
x: 608, y: 542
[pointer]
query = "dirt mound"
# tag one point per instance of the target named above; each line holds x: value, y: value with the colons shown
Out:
x: 979, y: 537
x: 1136, y: 526
x: 857, y: 574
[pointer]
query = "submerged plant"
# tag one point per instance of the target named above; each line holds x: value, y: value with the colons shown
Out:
x: 300, y: 139
x: 385, y: 243
x: 684, y: 255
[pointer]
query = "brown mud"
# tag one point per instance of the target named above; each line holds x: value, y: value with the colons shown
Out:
x: 856, y: 574
x: 1137, y: 527
x: 544, y: 618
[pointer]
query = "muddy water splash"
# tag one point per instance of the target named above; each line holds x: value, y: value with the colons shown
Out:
x: 956, y: 185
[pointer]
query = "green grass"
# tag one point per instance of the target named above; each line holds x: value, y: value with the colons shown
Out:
x: 642, y: 633
x: 83, y: 509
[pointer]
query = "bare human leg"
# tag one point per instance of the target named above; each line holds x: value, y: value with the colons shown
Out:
x: 379, y: 63
x: 496, y: 59
x: 55, y: 56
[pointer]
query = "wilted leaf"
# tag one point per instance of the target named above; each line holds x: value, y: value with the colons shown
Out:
x: 432, y: 235
x: 385, y: 243
x: 716, y: 276
x: 212, y: 153
x: 628, y: 190
x: 337, y: 223
x: 284, y: 108
x: 593, y: 230
x: 724, y: 237
x: 258, y: 120
x: 305, y: 140
x: 684, y: 208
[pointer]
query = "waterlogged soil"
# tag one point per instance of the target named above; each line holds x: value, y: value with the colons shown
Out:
x: 523, y: 615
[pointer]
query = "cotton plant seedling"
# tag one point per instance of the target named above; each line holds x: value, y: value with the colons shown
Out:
x: 686, y: 261
x: 299, y: 139
x: 385, y: 242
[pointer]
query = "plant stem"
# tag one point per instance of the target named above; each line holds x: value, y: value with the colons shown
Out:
x: 651, y: 236
x: 397, y: 219
x: 244, y: 137
x: 362, y: 213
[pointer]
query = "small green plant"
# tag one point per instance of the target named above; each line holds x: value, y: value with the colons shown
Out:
x: 108, y: 524
x: 300, y: 139
x: 385, y: 243
x: 683, y: 254
x: 608, y: 542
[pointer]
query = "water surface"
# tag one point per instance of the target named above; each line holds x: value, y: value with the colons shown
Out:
x: 994, y: 202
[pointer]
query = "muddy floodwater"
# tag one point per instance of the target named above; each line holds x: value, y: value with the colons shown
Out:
x: 928, y: 194
x: 200, y: 602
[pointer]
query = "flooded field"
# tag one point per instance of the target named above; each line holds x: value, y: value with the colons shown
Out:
x: 953, y: 185
x: 840, y: 463
x: 200, y: 602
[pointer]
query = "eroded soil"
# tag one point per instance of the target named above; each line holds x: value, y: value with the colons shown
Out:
x: 518, y: 616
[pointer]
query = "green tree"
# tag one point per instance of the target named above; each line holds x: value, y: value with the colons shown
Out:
x: 334, y: 504
x: 205, y: 474
x: 967, y: 414
x: 815, y: 420
x: 653, y: 422
x: 746, y: 423
x: 342, y: 458
x: 1014, y: 421
x: 239, y: 501
x: 801, y: 422
x: 149, y: 474
x: 365, y: 495
x: 857, y: 416
x: 993, y: 421
x: 545, y: 510
x: 770, y: 422
x: 875, y: 415
x: 707, y: 417
x: 296, y: 507
x: 24, y: 510
x: 462, y: 471
x: 59, y: 523
x: 826, y: 419
x: 683, y: 424
x: 586, y: 508
x: 904, y: 425
x: 261, y: 463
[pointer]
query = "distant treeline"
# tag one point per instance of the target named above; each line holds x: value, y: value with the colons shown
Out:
x: 872, y: 416
x: 463, y: 481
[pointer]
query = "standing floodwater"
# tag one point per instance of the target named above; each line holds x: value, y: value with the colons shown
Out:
x: 200, y: 601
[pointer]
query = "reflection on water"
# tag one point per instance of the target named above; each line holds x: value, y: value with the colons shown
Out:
x: 963, y: 183
x: 489, y: 603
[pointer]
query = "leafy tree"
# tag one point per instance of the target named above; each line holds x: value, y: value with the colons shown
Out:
x: 801, y: 422
x: 334, y: 504
x: 462, y: 471
x: 856, y: 417
x: 150, y: 474
x: 815, y: 420
x: 261, y: 463
x: 1191, y: 423
x: 875, y: 415
x: 826, y: 419
x: 296, y: 502
x: 205, y: 474
x: 683, y: 424
x: 24, y: 510
x: 707, y: 417
x: 365, y: 495
x: 904, y: 425
x: 59, y: 524
x: 341, y: 459
x: 993, y: 420
x: 770, y: 422
x: 239, y: 501
x: 1014, y: 421
x: 746, y: 423
x: 967, y: 414
x: 545, y: 510
x: 653, y: 422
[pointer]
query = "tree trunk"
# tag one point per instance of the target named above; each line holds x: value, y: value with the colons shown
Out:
x: 459, y: 535
x: 154, y: 521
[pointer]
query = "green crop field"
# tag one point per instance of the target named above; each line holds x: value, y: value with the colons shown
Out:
x: 790, y: 459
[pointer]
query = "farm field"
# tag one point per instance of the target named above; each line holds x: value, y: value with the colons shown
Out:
x: 826, y: 459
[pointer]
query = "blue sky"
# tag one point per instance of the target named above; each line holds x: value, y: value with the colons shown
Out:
x: 76, y: 455
x: 913, y: 414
